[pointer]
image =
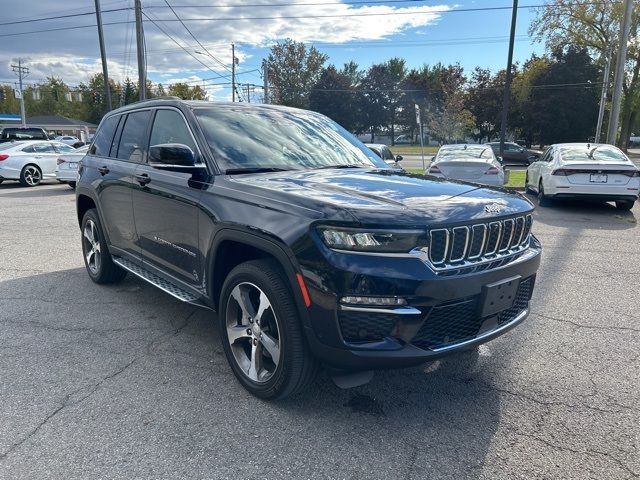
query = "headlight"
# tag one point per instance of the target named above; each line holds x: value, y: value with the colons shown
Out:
x: 381, y: 241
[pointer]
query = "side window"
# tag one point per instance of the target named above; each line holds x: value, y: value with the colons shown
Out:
x: 104, y: 137
x: 28, y: 149
x: 43, y: 148
x: 62, y: 148
x: 548, y: 155
x: 170, y: 127
x: 132, y: 140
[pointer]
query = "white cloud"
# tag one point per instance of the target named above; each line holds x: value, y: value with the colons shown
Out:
x: 74, y: 55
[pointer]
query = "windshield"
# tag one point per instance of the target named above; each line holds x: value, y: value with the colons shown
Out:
x: 462, y: 154
x: 243, y: 138
x: 603, y: 153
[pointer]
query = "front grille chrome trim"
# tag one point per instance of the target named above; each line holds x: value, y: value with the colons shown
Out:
x: 453, y: 243
x: 473, y: 238
x: 446, y: 246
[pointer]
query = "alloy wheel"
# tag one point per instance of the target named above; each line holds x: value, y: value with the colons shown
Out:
x: 253, y: 332
x: 91, y: 244
x: 32, y: 175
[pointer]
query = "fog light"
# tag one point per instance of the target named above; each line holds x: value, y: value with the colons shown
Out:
x: 377, y: 301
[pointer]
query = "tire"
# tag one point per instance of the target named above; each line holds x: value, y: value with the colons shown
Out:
x: 97, y: 258
x: 625, y: 204
x: 72, y: 185
x: 269, y: 357
x: 527, y: 188
x: 543, y: 200
x: 30, y: 176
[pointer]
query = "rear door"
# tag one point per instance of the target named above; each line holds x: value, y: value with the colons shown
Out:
x: 116, y: 157
x: 165, y: 205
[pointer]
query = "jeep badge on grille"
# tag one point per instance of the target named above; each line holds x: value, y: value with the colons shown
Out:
x: 493, y: 208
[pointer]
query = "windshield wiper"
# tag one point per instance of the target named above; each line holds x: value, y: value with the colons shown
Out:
x: 350, y: 165
x: 232, y: 171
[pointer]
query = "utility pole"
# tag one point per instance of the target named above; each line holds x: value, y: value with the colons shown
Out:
x: 625, y: 28
x: 605, y: 88
x: 233, y: 72
x: 103, y: 55
x: 265, y: 81
x: 142, y: 74
x: 507, y: 83
x: 22, y: 72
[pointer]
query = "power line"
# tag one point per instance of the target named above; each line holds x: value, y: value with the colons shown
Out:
x: 177, y: 43
x: 59, y: 17
x: 194, y: 37
x: 372, y: 14
x: 459, y: 10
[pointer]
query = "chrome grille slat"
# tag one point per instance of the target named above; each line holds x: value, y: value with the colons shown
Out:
x: 469, y: 245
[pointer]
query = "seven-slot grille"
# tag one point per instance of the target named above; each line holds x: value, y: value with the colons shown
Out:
x: 453, y: 247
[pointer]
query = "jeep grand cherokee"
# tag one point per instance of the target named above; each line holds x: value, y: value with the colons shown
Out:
x: 309, y: 248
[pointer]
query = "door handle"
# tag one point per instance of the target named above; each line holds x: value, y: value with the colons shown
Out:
x: 103, y: 170
x: 38, y: 156
x: 142, y: 179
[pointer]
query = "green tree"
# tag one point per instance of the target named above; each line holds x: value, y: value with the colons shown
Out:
x: 594, y: 26
x: 293, y: 70
x: 334, y: 96
x: 484, y: 100
x: 186, y: 92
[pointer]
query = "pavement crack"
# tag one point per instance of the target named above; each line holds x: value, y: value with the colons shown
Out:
x: 582, y: 325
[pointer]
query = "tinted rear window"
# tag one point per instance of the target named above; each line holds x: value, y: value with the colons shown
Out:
x: 603, y: 153
x: 462, y: 154
x: 23, y: 134
x: 104, y: 136
x: 132, y: 140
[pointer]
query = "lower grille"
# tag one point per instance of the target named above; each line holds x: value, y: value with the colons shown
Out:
x: 366, y: 327
x: 456, y: 322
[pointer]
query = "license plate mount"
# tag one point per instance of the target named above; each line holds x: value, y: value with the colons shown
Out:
x: 499, y: 296
x: 73, y: 165
x: 598, y: 178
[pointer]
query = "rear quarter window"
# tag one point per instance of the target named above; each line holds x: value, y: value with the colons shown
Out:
x: 104, y: 136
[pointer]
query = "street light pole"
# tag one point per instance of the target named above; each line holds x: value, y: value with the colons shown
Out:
x: 22, y: 72
x: 142, y: 74
x: 507, y: 83
x: 603, y: 96
x: 233, y: 72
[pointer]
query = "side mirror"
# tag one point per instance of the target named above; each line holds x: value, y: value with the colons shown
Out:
x: 172, y: 155
x: 433, y: 158
x: 521, y: 150
x: 499, y: 158
x: 398, y: 158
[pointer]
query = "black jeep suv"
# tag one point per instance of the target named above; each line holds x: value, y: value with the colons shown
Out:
x: 307, y: 245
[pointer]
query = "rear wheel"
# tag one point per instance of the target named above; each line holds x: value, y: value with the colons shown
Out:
x: 261, y: 332
x: 30, y: 176
x: 97, y: 258
x: 625, y: 204
x: 543, y: 200
x: 527, y: 188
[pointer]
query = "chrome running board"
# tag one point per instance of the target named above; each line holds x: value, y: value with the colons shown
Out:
x: 157, y: 281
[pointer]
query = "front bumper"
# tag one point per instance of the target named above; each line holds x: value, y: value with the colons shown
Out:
x: 442, y: 313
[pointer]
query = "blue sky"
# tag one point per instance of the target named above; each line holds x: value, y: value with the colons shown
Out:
x: 421, y: 31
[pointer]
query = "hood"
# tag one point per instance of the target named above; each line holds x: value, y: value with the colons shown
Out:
x: 387, y: 197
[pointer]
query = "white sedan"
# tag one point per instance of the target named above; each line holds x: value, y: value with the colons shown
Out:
x: 583, y: 170
x: 68, y: 139
x: 30, y: 162
x: 471, y: 163
x: 67, y: 170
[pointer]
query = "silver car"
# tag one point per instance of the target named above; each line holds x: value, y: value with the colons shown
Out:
x: 67, y: 169
x: 471, y: 163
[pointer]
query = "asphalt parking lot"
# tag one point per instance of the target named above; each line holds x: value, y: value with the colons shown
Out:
x: 126, y: 382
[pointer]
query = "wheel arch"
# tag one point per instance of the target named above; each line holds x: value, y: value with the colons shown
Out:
x: 231, y: 246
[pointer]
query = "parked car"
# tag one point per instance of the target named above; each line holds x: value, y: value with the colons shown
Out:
x: 385, y: 153
x: 68, y: 139
x: 13, y: 134
x: 309, y: 248
x: 67, y: 166
x: 471, y: 163
x: 579, y: 170
x: 514, y: 153
x: 30, y: 162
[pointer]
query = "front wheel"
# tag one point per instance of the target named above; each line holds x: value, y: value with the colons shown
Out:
x: 97, y: 258
x: 625, y: 204
x: 261, y: 332
x: 30, y: 176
